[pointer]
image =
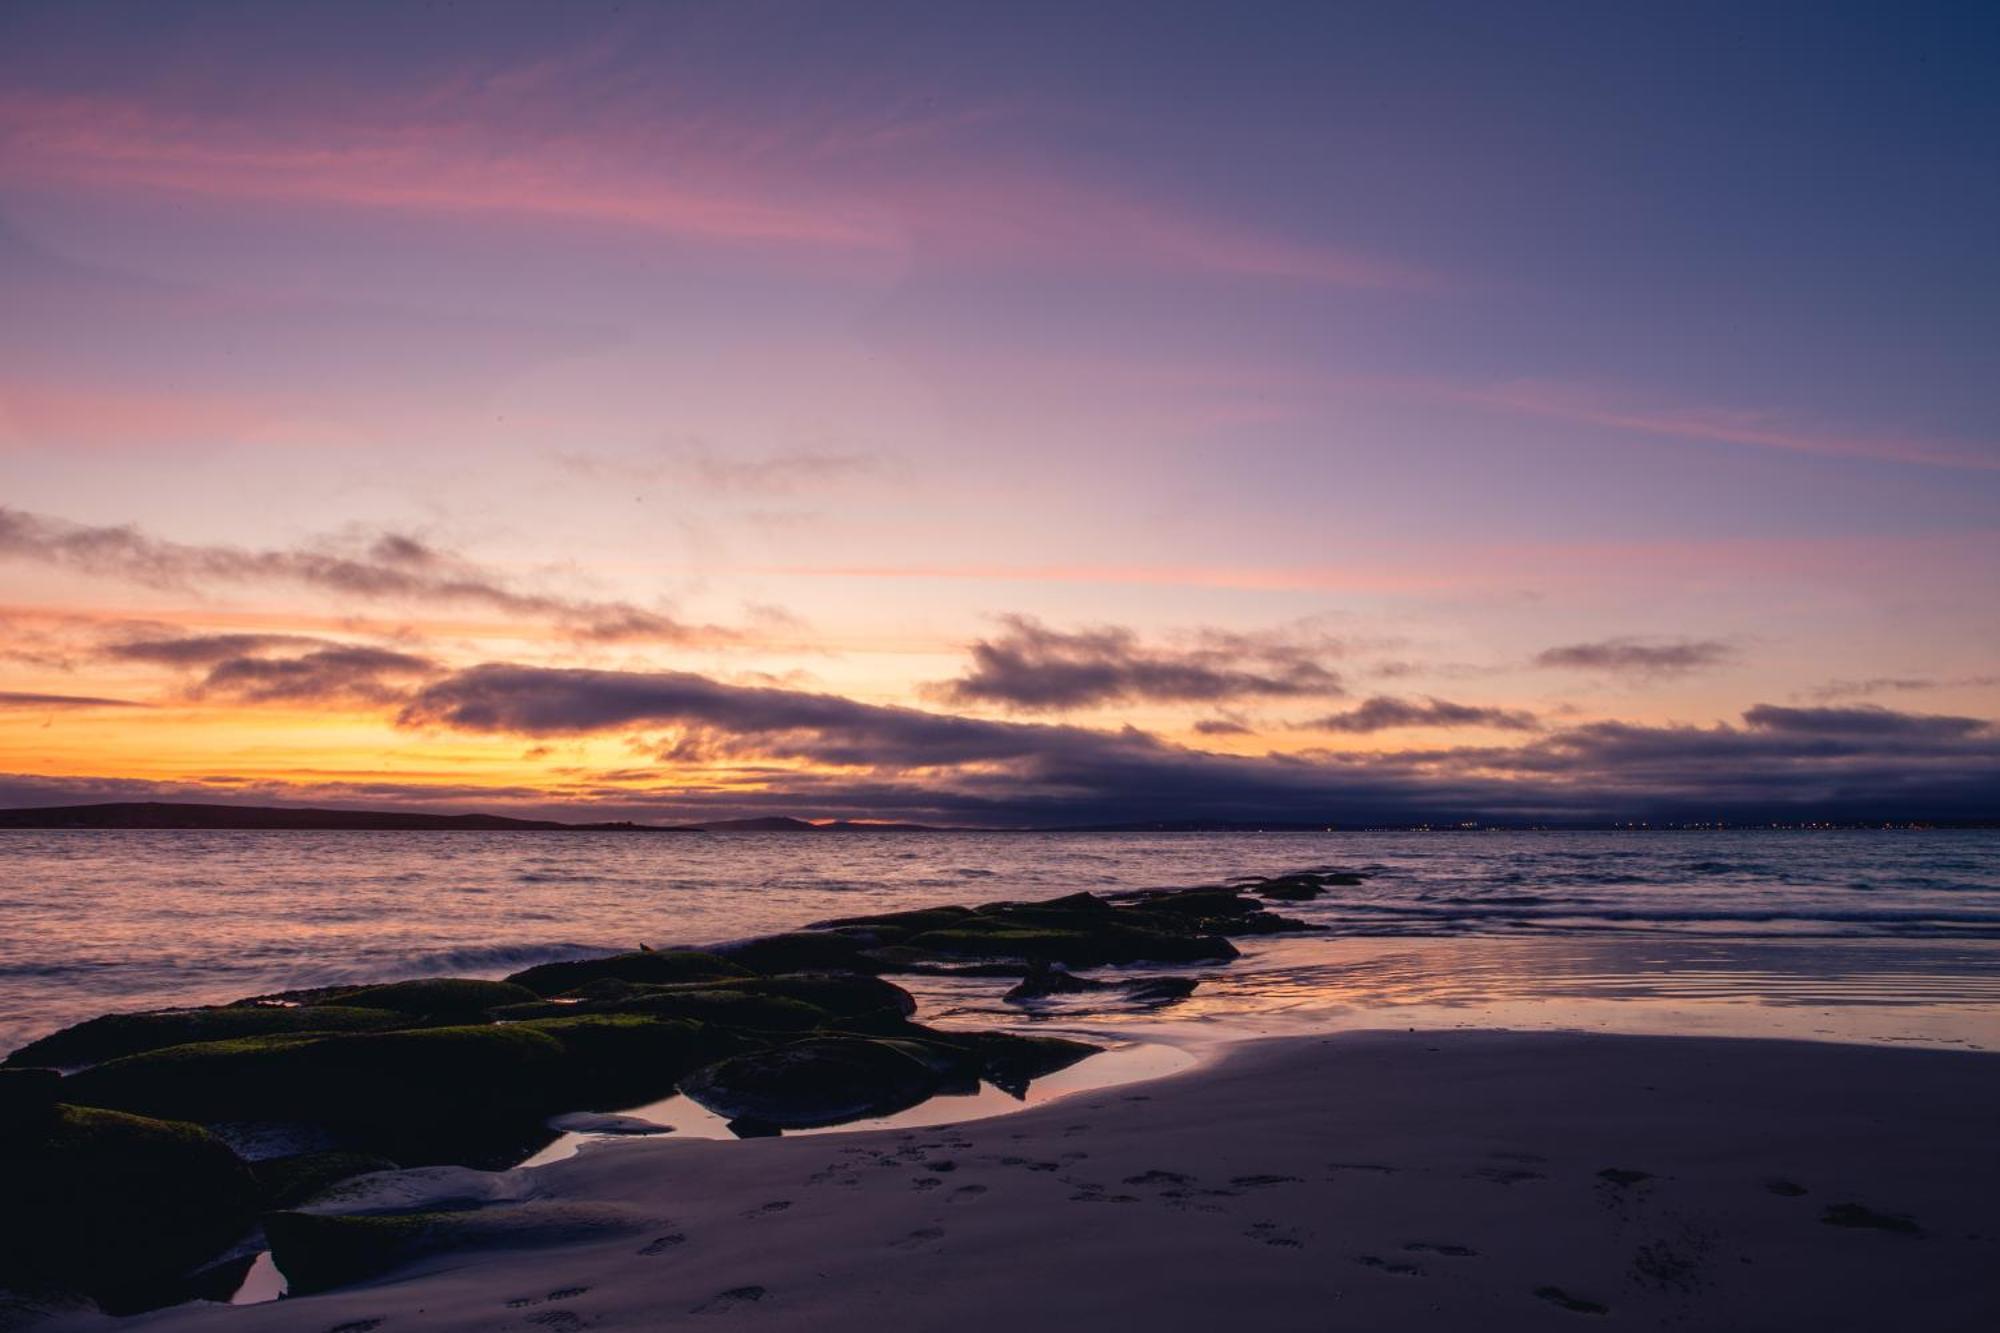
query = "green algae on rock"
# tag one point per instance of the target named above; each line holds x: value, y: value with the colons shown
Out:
x: 114, y: 1035
x: 116, y: 1206
x: 663, y: 967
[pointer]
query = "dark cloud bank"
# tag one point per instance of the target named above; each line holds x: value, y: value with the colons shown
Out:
x: 1386, y: 713
x: 1033, y: 668
x: 888, y: 762
x: 909, y: 763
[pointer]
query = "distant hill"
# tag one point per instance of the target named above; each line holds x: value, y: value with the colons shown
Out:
x: 786, y: 824
x: 178, y: 815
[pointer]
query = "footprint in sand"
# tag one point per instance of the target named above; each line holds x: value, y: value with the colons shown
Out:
x: 1504, y: 1175
x: 729, y: 1300
x: 1573, y: 1304
x: 770, y: 1209
x: 1270, y: 1233
x: 942, y: 1165
x: 1789, y: 1189
x: 1375, y: 1167
x: 919, y: 1238
x: 925, y: 1183
x: 1447, y: 1251
x: 567, y: 1293
x: 1091, y: 1192
x: 1160, y: 1178
x: 1260, y: 1182
x: 1393, y: 1266
x: 560, y: 1320
x: 965, y: 1193
x: 356, y: 1326
x: 1622, y: 1177
x: 1860, y: 1215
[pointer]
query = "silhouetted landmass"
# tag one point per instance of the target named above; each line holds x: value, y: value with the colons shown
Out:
x: 192, y: 815
x: 786, y: 824
x: 179, y: 815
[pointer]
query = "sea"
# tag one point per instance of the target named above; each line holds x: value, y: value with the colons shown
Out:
x: 1887, y: 935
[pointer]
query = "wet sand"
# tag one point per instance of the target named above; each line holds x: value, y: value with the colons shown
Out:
x: 1406, y: 1180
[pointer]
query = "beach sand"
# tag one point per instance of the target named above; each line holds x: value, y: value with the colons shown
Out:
x: 1399, y: 1180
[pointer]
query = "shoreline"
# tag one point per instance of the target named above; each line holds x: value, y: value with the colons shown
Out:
x: 1414, y: 1180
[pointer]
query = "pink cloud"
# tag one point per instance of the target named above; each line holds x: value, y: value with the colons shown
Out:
x: 873, y: 188
x: 1589, y: 406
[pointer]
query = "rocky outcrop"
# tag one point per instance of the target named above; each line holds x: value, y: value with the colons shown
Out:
x: 114, y: 1189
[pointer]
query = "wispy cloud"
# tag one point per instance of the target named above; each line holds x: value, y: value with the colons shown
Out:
x: 1640, y: 657
x: 15, y: 700
x: 1610, y: 409
x: 392, y: 567
x: 667, y: 171
x: 1854, y: 689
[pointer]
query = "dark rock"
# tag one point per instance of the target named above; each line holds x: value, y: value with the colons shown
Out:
x: 1010, y: 1061
x: 819, y: 1081
x: 28, y: 1098
x: 1158, y: 990
x: 116, y: 1206
x: 115, y: 1035
x: 658, y: 968
x: 1044, y: 980
x: 1302, y: 887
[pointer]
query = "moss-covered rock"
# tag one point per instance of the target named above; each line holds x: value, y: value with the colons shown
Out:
x: 803, y: 951
x: 116, y: 1035
x: 386, y: 1084
x: 1006, y: 936
x: 286, y: 1182
x: 455, y: 998
x: 797, y: 1003
x: 1213, y: 911
x: 614, y: 1060
x: 651, y: 967
x: 316, y: 1251
x: 893, y: 927
x: 819, y: 1081
x: 116, y: 1206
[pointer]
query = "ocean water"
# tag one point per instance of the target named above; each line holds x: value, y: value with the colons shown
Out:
x: 1885, y: 935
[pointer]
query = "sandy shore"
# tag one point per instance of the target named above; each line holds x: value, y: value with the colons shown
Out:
x: 1452, y: 1180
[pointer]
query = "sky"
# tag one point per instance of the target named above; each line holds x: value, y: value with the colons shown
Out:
x: 1003, y: 414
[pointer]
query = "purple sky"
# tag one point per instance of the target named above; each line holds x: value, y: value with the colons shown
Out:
x: 1003, y: 413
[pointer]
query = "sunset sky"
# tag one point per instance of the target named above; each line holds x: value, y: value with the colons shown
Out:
x: 1003, y: 414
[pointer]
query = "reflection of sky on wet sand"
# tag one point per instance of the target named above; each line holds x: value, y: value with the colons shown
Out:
x: 1829, y: 990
